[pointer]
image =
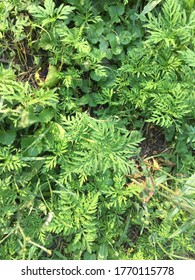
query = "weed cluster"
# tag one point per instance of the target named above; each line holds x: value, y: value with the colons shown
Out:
x: 97, y: 134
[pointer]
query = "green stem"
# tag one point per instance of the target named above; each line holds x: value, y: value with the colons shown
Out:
x: 167, y: 189
x: 171, y: 256
x: 24, y: 238
x: 164, y: 251
x: 39, y: 246
x: 2, y: 240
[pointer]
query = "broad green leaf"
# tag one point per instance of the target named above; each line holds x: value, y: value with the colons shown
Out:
x: 7, y: 137
x: 117, y: 50
x: 27, y: 145
x: 103, y: 252
x: 88, y: 98
x: 112, y: 38
x: 88, y: 256
x: 114, y: 43
x: 125, y: 37
x: 28, y: 118
x: 46, y: 115
x: 94, y: 76
x: 116, y: 11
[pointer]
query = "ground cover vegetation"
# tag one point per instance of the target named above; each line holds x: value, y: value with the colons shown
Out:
x: 97, y: 132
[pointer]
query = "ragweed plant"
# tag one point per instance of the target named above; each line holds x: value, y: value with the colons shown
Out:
x: 97, y: 129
